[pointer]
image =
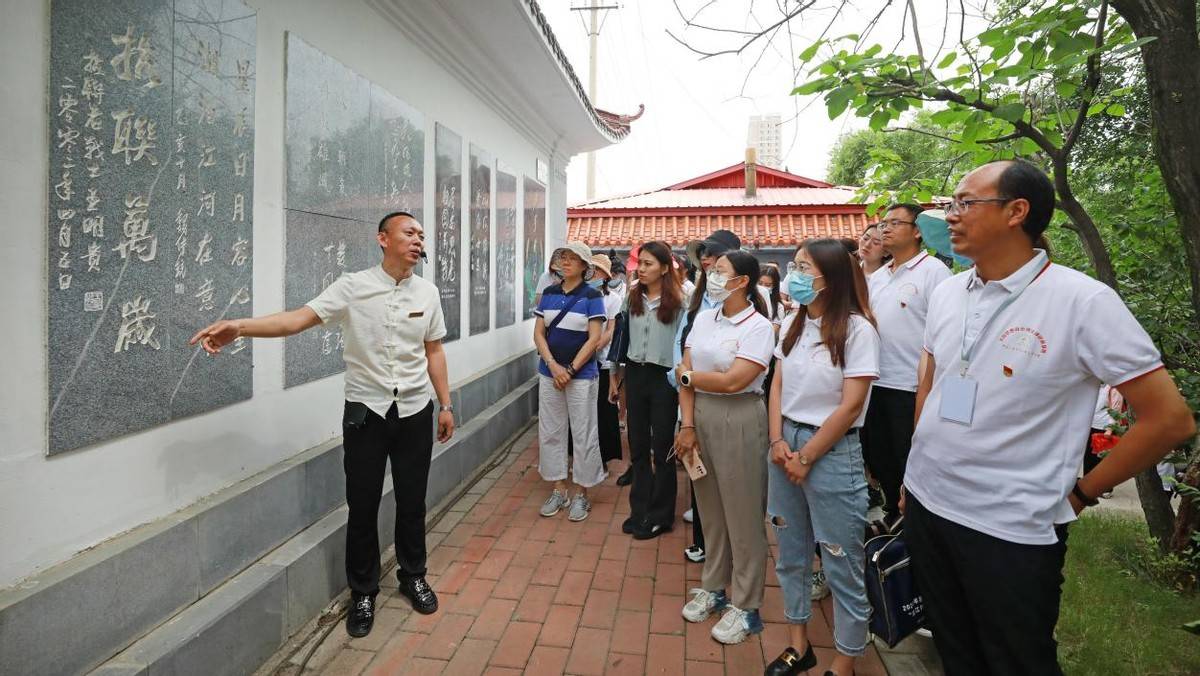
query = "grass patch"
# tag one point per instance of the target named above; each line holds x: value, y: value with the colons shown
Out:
x: 1116, y: 618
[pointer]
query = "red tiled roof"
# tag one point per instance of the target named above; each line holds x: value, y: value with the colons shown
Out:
x: 724, y: 197
x: 771, y: 230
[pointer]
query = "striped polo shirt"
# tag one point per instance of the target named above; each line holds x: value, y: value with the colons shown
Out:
x: 582, y: 305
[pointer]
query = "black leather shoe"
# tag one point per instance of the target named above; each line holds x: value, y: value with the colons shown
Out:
x: 361, y: 617
x: 790, y: 662
x: 650, y: 530
x: 626, y: 478
x: 630, y: 526
x: 418, y: 591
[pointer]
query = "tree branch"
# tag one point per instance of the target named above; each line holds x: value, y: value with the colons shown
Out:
x: 1091, y: 82
x: 998, y: 139
x: 754, y: 37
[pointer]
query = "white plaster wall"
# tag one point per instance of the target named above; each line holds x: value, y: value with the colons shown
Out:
x: 53, y: 507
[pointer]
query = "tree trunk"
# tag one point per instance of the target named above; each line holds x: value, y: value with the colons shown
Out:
x: 1156, y: 505
x: 1188, y: 519
x: 1172, y: 63
x: 1173, y: 80
x: 1085, y: 227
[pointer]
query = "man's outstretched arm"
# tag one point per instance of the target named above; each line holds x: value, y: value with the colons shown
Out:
x: 219, y: 334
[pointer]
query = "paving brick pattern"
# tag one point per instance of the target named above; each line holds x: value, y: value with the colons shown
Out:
x: 522, y: 594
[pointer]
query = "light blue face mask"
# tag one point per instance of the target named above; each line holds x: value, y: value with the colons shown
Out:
x: 596, y: 283
x: 800, y: 287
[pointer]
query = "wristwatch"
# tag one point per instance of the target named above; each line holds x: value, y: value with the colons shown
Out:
x: 803, y: 460
x: 447, y: 407
x: 685, y: 379
x: 1082, y: 497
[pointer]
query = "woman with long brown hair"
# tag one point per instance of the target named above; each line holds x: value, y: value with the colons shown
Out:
x: 817, y: 489
x: 655, y: 308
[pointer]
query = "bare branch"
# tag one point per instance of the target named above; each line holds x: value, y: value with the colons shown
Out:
x: 988, y: 141
x: 754, y: 37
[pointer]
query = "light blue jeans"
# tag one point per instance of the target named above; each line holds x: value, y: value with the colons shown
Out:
x: 829, y: 508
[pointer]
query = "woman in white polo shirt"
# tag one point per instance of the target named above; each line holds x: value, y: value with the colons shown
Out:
x: 817, y: 491
x: 724, y: 420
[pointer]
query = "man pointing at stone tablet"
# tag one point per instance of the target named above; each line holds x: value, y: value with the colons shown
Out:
x: 392, y: 324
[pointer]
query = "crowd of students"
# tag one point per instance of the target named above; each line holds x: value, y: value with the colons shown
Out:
x: 966, y: 398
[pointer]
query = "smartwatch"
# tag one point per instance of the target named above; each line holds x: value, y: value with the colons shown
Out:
x: 685, y: 379
x: 1082, y: 497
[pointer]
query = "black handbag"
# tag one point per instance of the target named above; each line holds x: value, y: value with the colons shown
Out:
x: 897, y: 609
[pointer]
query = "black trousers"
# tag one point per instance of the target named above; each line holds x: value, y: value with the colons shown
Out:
x: 608, y: 422
x: 886, y: 438
x: 650, y: 408
x: 697, y: 527
x: 992, y: 604
x: 370, y: 441
x: 1090, y: 459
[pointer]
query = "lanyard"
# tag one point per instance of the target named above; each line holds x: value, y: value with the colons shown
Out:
x: 968, y: 350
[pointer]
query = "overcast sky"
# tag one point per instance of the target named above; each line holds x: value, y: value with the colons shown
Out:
x: 697, y: 110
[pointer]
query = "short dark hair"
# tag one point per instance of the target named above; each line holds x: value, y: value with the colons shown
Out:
x: 1025, y: 180
x: 912, y: 209
x: 383, y: 221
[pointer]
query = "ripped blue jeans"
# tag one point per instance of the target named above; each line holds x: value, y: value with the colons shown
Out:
x: 829, y: 508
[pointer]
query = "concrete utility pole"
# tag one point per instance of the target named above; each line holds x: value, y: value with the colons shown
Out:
x: 597, y: 22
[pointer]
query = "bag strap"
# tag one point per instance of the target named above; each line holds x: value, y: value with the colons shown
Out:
x: 563, y: 313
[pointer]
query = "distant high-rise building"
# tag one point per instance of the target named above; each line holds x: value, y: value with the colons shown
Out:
x: 763, y: 136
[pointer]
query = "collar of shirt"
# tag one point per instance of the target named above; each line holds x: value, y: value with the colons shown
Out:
x: 1017, y: 280
x: 651, y: 303
x: 385, y: 278
x: 907, y: 265
x: 738, y: 318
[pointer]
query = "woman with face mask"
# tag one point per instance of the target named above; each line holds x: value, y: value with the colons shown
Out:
x: 724, y: 423
x: 817, y: 491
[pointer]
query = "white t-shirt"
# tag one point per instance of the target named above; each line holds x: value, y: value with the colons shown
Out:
x: 716, y: 341
x: 612, y: 305
x: 1038, y: 367
x: 900, y: 303
x: 812, y: 385
x: 385, y: 325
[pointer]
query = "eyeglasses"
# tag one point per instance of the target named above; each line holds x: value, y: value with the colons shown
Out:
x: 884, y: 226
x: 961, y: 206
x: 805, y: 267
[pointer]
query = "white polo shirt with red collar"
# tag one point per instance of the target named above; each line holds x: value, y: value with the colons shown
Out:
x: 900, y: 303
x: 1037, y: 366
x: 716, y: 341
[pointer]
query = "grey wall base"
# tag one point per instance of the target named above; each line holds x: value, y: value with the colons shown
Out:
x: 227, y: 580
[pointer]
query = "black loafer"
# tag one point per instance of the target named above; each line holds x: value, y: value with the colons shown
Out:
x: 650, y: 530
x: 420, y: 594
x: 790, y: 662
x: 626, y: 478
x: 631, y: 526
x: 361, y: 617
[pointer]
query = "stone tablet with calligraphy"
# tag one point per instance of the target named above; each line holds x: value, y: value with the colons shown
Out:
x: 535, y: 241
x: 355, y: 152
x: 448, y: 229
x: 506, y: 248
x: 127, y: 80
x: 481, y: 240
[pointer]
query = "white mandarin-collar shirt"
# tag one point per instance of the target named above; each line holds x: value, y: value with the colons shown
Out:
x: 385, y: 326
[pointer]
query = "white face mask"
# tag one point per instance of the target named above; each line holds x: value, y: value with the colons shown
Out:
x: 715, y: 289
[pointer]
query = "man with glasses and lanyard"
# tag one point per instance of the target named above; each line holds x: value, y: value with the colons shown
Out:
x: 1016, y: 349
x: 900, y: 292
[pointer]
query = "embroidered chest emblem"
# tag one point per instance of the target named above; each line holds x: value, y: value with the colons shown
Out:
x: 907, y: 292
x: 1024, y: 340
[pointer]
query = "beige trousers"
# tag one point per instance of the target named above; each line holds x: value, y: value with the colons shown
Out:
x: 732, y: 431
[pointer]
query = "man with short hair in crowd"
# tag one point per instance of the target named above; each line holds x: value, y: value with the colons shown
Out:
x: 900, y: 292
x: 392, y: 322
x: 1017, y: 348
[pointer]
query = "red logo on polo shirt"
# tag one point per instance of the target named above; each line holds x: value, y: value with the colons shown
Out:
x: 1023, y: 339
x: 907, y: 292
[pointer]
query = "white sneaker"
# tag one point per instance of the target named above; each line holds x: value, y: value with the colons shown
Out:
x: 703, y: 604
x: 687, y: 516
x: 554, y: 503
x: 694, y: 554
x: 924, y: 632
x: 735, y: 625
x: 820, y: 587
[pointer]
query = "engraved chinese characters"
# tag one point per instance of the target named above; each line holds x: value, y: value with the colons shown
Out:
x: 481, y: 233
x: 535, y: 240
x: 448, y: 231
x: 506, y: 248
x: 150, y: 192
x: 354, y: 153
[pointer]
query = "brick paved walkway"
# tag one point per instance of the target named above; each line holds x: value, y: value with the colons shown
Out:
x: 524, y: 594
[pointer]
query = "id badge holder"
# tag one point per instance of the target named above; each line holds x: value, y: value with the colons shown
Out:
x: 958, y: 397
